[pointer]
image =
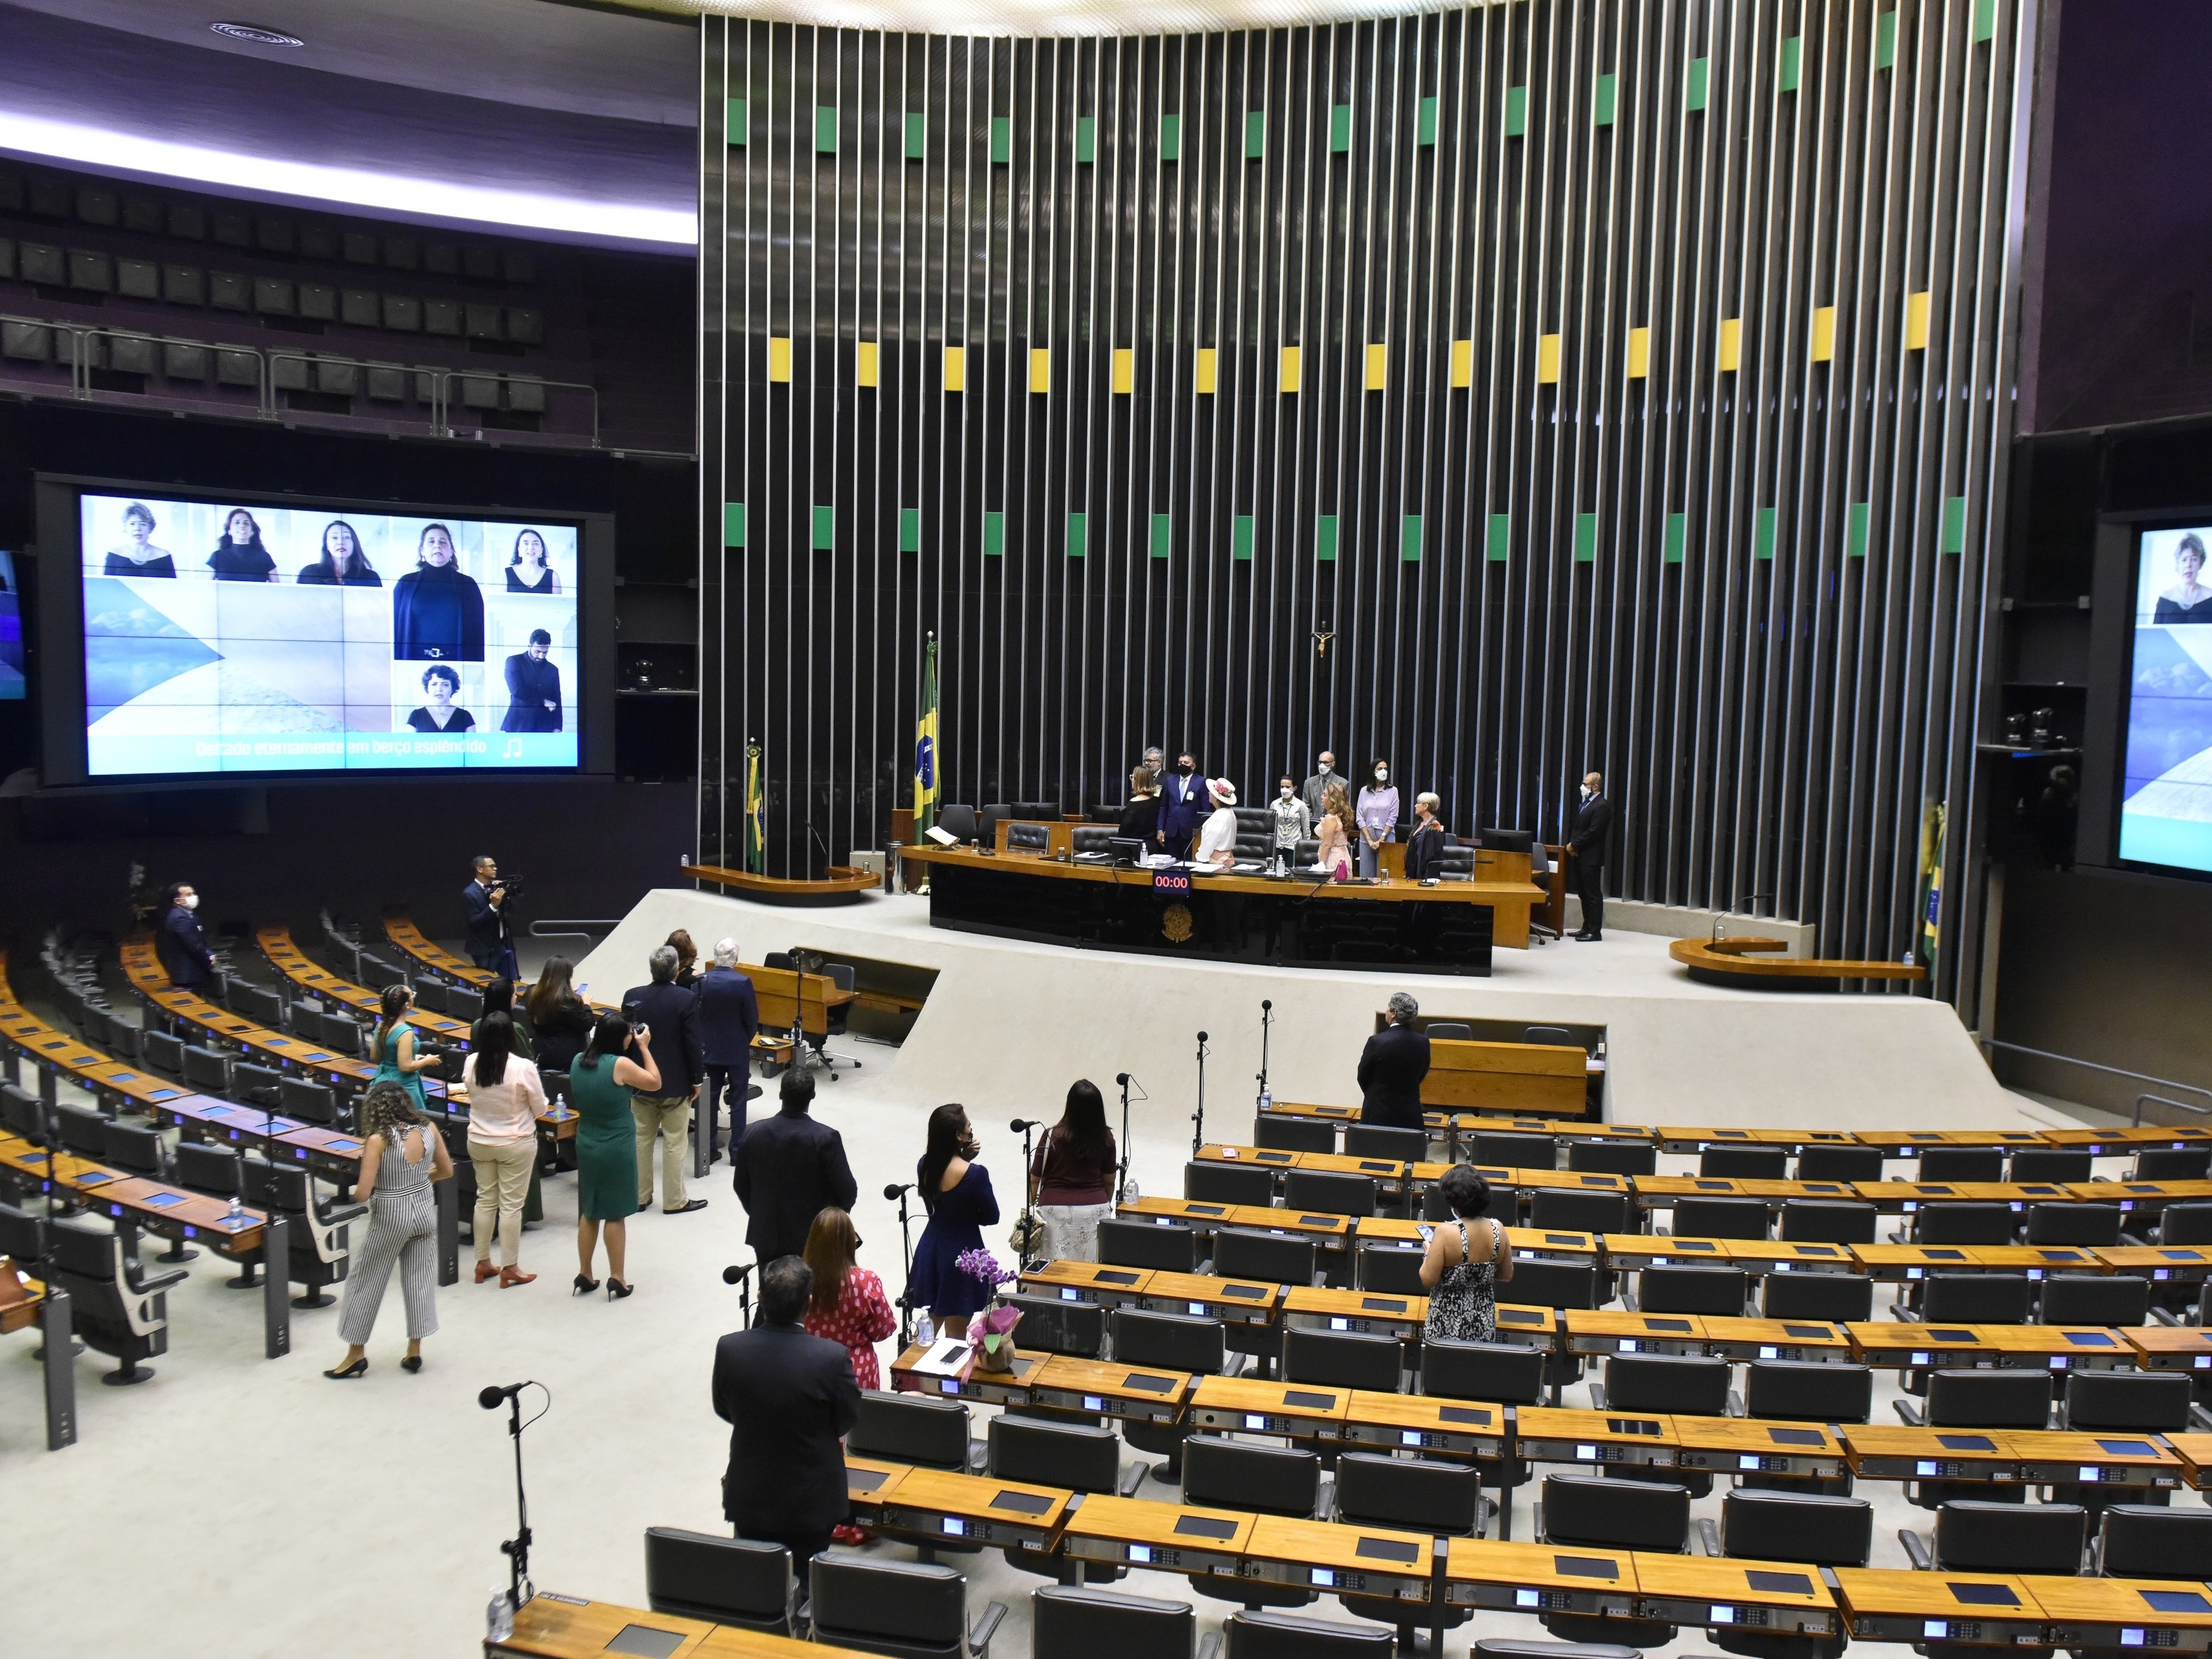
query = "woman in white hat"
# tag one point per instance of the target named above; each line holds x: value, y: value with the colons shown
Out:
x: 1217, y: 840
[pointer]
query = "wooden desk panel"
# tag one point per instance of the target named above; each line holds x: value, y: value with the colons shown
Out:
x: 1532, y: 1327
x: 166, y: 1212
x: 1729, y: 1337
x: 1338, y: 1557
x: 1881, y: 1604
x: 2195, y: 1451
x: 2053, y: 1457
x: 1773, y: 1597
x: 2170, y: 1347
x: 1137, y: 1394
x: 1632, y: 1252
x: 868, y: 1482
x: 1783, y: 1256
x: 1540, y: 1578
x: 1374, y: 1311
x: 1272, y: 1157
x: 31, y: 1304
x: 1199, y: 1215
x: 1605, y: 1331
x: 2096, y: 1142
x: 1233, y: 1301
x: 410, y: 941
x: 1900, y: 1343
x: 1535, y: 1241
x: 1168, y: 1537
x: 1552, y: 1434
x: 2148, y: 1196
x: 2169, y: 1616
x: 998, y: 1388
x: 297, y: 970
x: 1904, y: 1263
x: 1540, y: 1080
x: 974, y: 1509
x: 1750, y: 1445
x: 1086, y: 1281
x: 1246, y: 1406
x: 2059, y: 1348
x: 555, y: 1627
x: 1330, y: 1231
x: 1694, y: 1140
x: 1879, y: 1451
x: 2180, y: 1264
x: 1426, y: 1423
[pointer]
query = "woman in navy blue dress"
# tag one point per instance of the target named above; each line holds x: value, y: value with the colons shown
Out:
x: 957, y: 1192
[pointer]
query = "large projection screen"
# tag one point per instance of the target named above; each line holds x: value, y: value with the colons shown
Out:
x: 2165, y: 796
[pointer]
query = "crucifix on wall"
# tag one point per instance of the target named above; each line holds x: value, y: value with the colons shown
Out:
x: 1323, y: 636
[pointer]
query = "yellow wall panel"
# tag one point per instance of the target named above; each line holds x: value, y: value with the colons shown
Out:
x: 1639, y: 353
x: 1916, y: 321
x: 1378, y: 367
x: 864, y: 363
x: 1125, y: 371
x: 779, y: 359
x: 1288, y: 379
x: 1547, y: 359
x: 1209, y: 365
x: 1040, y: 370
x: 1463, y: 364
x: 1824, y: 334
x: 956, y: 368
x: 1731, y: 348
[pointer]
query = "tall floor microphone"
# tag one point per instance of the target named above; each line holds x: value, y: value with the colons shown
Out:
x: 1023, y: 1125
x: 1198, y: 1117
x: 490, y: 1397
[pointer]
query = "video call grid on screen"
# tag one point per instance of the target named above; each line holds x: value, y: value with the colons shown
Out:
x: 2165, y: 812
x: 225, y: 637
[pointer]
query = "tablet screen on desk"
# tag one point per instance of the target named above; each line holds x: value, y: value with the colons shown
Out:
x: 93, y: 1178
x: 646, y: 1641
x: 164, y: 1200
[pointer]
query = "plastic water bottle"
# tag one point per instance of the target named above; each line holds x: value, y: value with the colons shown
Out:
x: 237, y: 1210
x: 1267, y: 1101
x: 499, y: 1616
x: 926, y: 1332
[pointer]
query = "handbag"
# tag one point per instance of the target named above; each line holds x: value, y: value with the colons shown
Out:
x: 1028, y: 1233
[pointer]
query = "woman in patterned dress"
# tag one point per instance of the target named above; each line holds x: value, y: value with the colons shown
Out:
x: 849, y: 1305
x: 1461, y: 1271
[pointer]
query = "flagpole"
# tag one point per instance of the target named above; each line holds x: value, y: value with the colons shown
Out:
x: 927, y: 770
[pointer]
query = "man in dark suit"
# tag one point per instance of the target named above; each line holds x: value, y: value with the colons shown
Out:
x: 534, y: 687
x: 788, y: 1398
x: 672, y: 1013
x: 1593, y: 830
x: 1183, y: 807
x: 1391, y: 1067
x: 729, y: 1020
x: 491, y: 941
x: 787, y: 1170
x: 182, y: 947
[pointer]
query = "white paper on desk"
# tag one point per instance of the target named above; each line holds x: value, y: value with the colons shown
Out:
x: 942, y: 837
x: 944, y: 1357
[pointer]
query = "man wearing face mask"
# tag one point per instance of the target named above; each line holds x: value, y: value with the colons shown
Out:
x: 181, y: 945
x: 1593, y: 830
x: 1378, y: 813
x: 1315, y: 788
x: 1181, y: 808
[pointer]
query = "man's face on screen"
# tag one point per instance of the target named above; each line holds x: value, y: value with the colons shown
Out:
x: 538, y: 651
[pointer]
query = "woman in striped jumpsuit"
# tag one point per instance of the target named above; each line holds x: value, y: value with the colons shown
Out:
x: 402, y: 1153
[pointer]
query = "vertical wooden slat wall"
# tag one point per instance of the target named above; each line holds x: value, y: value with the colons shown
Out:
x: 1507, y: 392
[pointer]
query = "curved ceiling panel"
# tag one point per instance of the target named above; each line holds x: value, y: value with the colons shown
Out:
x: 1046, y: 17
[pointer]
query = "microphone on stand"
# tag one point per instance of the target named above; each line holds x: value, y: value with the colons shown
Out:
x: 490, y: 1397
x: 893, y: 1191
x: 1023, y: 1125
x: 1121, y: 1078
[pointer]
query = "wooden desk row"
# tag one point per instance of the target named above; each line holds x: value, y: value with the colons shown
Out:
x: 309, y: 978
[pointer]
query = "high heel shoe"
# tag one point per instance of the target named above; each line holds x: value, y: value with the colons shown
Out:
x: 412, y: 1363
x: 484, y: 1270
x: 585, y: 1286
x: 510, y: 1277
x: 348, y: 1373
x: 616, y: 1290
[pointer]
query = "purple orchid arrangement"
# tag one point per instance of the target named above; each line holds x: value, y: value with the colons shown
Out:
x: 991, y: 1333
x: 980, y: 1264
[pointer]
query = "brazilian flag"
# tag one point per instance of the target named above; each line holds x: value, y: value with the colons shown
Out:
x: 756, y: 826
x: 1931, y: 885
x: 927, y: 775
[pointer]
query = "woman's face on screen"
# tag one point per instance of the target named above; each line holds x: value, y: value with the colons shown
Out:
x: 138, y: 529
x: 438, y: 689
x: 437, y: 547
x: 240, y: 527
x: 532, y: 547
x: 337, y: 542
x: 2189, y: 562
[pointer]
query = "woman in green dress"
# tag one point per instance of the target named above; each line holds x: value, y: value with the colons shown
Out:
x: 392, y: 1046
x: 599, y: 1084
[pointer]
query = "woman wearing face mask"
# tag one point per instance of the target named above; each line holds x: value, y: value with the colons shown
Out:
x: 1293, y: 823
x: 957, y: 1192
x: 1378, y: 817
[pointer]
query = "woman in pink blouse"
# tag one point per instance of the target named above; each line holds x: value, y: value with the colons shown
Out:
x: 849, y: 1305
x: 505, y: 1097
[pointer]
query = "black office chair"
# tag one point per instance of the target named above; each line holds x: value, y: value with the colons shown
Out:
x: 2185, y: 1223
x: 1816, y: 1529
x: 1449, y: 1030
x: 1964, y: 1224
x: 2094, y: 1299
x: 1281, y: 1636
x: 906, y: 1428
x: 2172, y: 1163
x: 1344, y: 1360
x: 1282, y: 1258
x: 1977, y: 1399
x: 465, y: 1003
x: 119, y: 1037
x: 1326, y: 1192
x: 837, y: 1022
x: 1173, y: 1248
x: 1068, y: 1623
x: 1665, y: 1385
x: 907, y: 1609
x: 1515, y: 1151
x: 1978, y: 1535
x: 1839, y: 1163
x: 1745, y: 1163
x: 1380, y: 1140
x: 81, y: 1131
x: 2136, y: 1540
x: 161, y: 1051
x: 1827, y: 1221
x: 1073, y: 1457
x: 117, y: 1307
x: 2058, y: 1165
x: 1976, y: 1299
x: 263, y: 1007
x: 2146, y: 1402
x: 310, y: 1102
x: 1051, y: 1325
x: 1961, y: 1163
x: 1557, y: 1036
x: 1664, y: 1288
x: 1506, y: 1372
x: 1174, y: 1342
x: 988, y: 821
x: 136, y: 1148
x: 259, y: 1085
x: 1391, y: 1268
x: 305, y: 1018
x: 1622, y: 1157
x: 1720, y: 1218
x: 1280, y: 1133
x: 1805, y: 1391
x: 1579, y: 1510
x: 1440, y: 1500
x: 209, y: 1169
x: 1223, y: 1473
x: 2096, y: 1225
x: 1210, y: 1180
x: 317, y: 1236
x: 723, y: 1581
x: 1552, y: 1209
x: 23, y: 1114
x: 376, y: 972
x: 341, y: 1036
x: 1838, y: 1298
x: 959, y: 822
x: 1544, y: 1283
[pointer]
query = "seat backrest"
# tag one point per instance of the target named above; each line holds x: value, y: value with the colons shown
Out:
x: 2185, y: 1223
x: 1515, y: 1151
x: 1745, y: 1163
x: 2058, y: 1164
x: 1449, y: 1030
x: 306, y: 1020
x: 263, y: 1007
x: 1582, y: 1213
x: 1210, y: 1180
x: 1380, y: 1141
x: 1223, y: 1473
x: 1624, y: 1157
x: 1720, y: 1218
x: 21, y: 1114
x: 700, y: 1575
x: 1343, y: 1360
x: 1141, y: 1244
x: 1551, y: 1284
x: 82, y: 1131
x: 1989, y: 1399
x: 1841, y: 1297
x: 1808, y: 1391
x: 1279, y: 1636
x: 1068, y: 1623
x: 1506, y: 1372
x: 1839, y: 1163
x: 22, y: 1236
x: 1961, y: 1163
x: 1416, y: 1493
x: 1072, y: 1455
x: 2093, y: 1224
x: 1329, y: 1192
x: 1977, y: 1298
x: 430, y: 994
x: 261, y: 1085
x: 1557, y: 1035
x: 340, y: 1035
x: 907, y: 1428
x: 1828, y: 1221
x: 120, y: 1036
x: 83, y: 1252
x: 2146, y: 1540
x: 465, y: 1002
x: 1393, y: 1269
x: 203, y: 1168
x: 2152, y: 1403
x: 2172, y: 1163
x: 957, y: 822
x: 1973, y: 1536
x: 1280, y: 1132
x: 310, y: 1103
x: 1819, y: 1530
x: 1175, y: 1342
x: 1240, y: 1252
x: 2096, y: 1299
x: 903, y: 1600
x: 207, y: 1068
x: 134, y: 1147
x: 376, y: 972
x: 1093, y: 837
x: 1626, y: 1515
x: 1027, y: 837
x: 1964, y: 1224
x: 1052, y: 1326
x: 1665, y: 1288
x: 1666, y: 1383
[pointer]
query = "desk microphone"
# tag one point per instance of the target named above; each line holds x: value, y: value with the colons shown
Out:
x: 490, y: 1397
x: 897, y: 1190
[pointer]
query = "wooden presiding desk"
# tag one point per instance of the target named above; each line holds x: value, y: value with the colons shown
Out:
x: 1541, y: 1078
x: 1302, y: 920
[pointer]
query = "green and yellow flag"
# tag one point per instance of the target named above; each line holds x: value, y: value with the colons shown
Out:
x: 927, y: 791
x: 1931, y: 885
x: 755, y: 825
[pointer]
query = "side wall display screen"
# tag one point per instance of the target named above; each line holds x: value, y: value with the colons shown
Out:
x: 12, y: 684
x: 228, y: 636
x: 2165, y: 803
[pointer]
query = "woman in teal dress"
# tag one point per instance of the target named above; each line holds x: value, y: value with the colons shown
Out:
x: 599, y: 1085
x: 392, y: 1046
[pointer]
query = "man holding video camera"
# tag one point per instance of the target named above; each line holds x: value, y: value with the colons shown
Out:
x: 491, y: 936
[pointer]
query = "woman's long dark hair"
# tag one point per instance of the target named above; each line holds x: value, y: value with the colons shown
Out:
x: 239, y: 513
x: 495, y: 1042
x: 1082, y: 1126
x: 355, y: 562
x: 391, y: 1007
x: 831, y: 1247
x: 610, y: 1037
x: 499, y: 997
x: 948, y: 1127
x: 552, y: 989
